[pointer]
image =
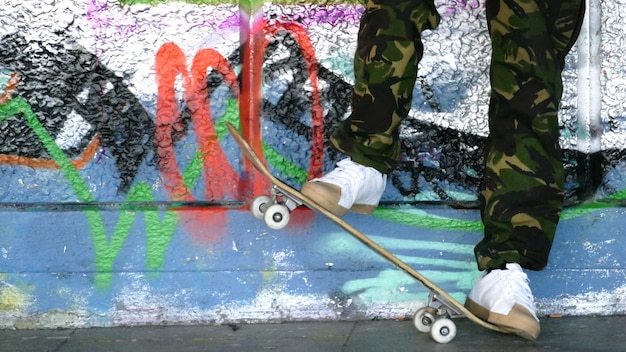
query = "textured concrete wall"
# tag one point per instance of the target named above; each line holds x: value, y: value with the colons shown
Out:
x: 123, y: 198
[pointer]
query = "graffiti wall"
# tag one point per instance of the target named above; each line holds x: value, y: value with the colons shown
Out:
x: 124, y: 200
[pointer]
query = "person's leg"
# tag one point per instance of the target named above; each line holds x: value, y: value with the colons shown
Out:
x: 522, y: 197
x: 389, y: 48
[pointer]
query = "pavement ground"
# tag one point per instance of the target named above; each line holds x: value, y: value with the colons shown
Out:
x: 557, y: 334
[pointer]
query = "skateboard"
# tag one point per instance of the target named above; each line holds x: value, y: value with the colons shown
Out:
x: 435, y: 318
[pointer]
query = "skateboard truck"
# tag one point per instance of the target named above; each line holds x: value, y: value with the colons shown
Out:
x: 275, y: 210
x: 436, y: 318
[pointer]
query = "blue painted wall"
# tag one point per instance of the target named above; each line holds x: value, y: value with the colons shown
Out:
x: 124, y: 200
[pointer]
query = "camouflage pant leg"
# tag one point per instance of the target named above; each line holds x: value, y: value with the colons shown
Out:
x: 389, y: 48
x: 522, y: 197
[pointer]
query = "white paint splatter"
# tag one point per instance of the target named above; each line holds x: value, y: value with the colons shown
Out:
x: 74, y: 130
x: 590, y: 303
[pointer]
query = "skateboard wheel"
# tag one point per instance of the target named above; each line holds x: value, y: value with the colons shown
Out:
x: 443, y: 330
x: 423, y: 320
x: 259, y: 205
x: 276, y: 216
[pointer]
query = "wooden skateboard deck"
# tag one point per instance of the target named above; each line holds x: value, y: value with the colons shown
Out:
x: 434, y: 318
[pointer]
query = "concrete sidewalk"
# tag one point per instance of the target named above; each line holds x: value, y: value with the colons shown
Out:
x: 558, y: 334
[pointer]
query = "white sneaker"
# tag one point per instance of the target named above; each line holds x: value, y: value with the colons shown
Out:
x: 503, y: 297
x: 350, y: 186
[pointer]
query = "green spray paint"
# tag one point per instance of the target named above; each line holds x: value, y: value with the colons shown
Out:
x: 394, y: 286
x: 458, y: 274
x: 158, y: 231
x: 160, y: 225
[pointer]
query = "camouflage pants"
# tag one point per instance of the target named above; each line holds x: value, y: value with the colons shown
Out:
x: 389, y: 48
x: 524, y: 180
x: 522, y: 198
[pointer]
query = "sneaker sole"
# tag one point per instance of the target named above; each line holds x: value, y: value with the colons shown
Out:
x: 363, y: 209
x: 327, y: 195
x: 519, y: 321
